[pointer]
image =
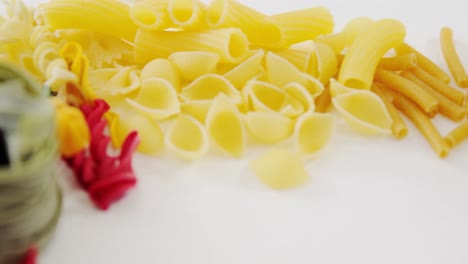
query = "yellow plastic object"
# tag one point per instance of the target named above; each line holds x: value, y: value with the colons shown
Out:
x: 268, y: 127
x: 364, y: 112
x: 313, y: 132
x: 209, y: 86
x: 156, y: 98
x: 187, y: 138
x: 193, y: 64
x: 280, y: 169
x: 198, y: 109
x: 226, y: 127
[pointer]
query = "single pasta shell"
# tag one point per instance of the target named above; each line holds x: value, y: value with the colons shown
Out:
x: 293, y: 107
x: 187, y: 138
x: 268, y: 127
x: 198, y: 109
x: 161, y: 68
x: 279, y: 71
x: 312, y: 132
x: 280, y: 169
x: 266, y: 97
x: 336, y: 88
x: 208, y: 86
x: 193, y: 64
x: 246, y: 70
x: 226, y: 127
x: 301, y: 94
x: 121, y: 81
x: 156, y: 98
x: 364, y: 112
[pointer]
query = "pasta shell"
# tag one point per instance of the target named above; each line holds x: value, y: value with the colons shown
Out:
x: 209, y: 86
x: 336, y: 88
x: 193, y: 64
x: 266, y: 97
x: 268, y: 127
x: 187, y: 138
x: 119, y: 81
x: 161, y: 68
x: 226, y: 127
x: 364, y: 112
x: 198, y: 109
x: 312, y: 132
x: 156, y: 98
x: 246, y: 70
x: 280, y: 169
x: 300, y: 93
x: 280, y: 71
x: 327, y: 64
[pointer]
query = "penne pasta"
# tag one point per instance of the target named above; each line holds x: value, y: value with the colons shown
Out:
x: 444, y: 89
x: 362, y: 58
x: 300, y: 25
x: 98, y: 16
x: 230, y: 44
x: 409, y: 89
x: 451, y: 57
x: 268, y: 127
x: 193, y: 64
x: 323, y: 101
x: 312, y: 132
x: 446, y: 107
x: 336, y: 41
x: 399, y: 127
x: 187, y: 14
x: 422, y: 123
x: 423, y: 62
x: 150, y: 15
x: 399, y: 62
x: 245, y: 71
x: 457, y: 135
x: 161, y: 68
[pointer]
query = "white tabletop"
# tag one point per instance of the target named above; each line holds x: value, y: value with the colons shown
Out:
x: 370, y: 201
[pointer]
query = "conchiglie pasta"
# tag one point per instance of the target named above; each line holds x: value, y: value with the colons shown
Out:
x: 300, y: 93
x: 161, y: 68
x: 187, y: 14
x: 115, y: 81
x: 266, y: 97
x: 208, y: 87
x: 198, y: 109
x: 193, y: 64
x: 268, y: 127
x: 187, y: 138
x: 364, y: 112
x: 226, y: 127
x: 246, y: 70
x: 156, y: 98
x: 312, y: 132
x: 336, y: 88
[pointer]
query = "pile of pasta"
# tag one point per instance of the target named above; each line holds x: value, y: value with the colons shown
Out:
x: 185, y: 74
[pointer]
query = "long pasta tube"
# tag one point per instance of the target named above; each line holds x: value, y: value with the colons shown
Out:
x: 150, y: 15
x: 424, y: 62
x: 457, y: 135
x: 399, y: 63
x: 451, y: 57
x: 399, y: 127
x: 446, y: 107
x: 187, y: 14
x: 360, y: 62
x: 409, y: 89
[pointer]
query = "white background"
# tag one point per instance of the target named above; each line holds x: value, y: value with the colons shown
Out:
x: 370, y: 200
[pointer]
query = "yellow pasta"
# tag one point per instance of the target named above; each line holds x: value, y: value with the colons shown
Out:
x: 246, y: 70
x: 161, y: 68
x: 327, y: 65
x: 336, y: 41
x: 187, y: 14
x: 323, y: 101
x: 409, y: 89
x: 457, y: 135
x: 231, y: 13
x: 44, y: 53
x: 198, y: 109
x: 300, y: 25
x: 423, y: 62
x: 300, y: 93
x: 193, y: 64
x: 444, y: 89
x: 208, y: 87
x: 355, y: 27
x: 268, y: 127
x: 187, y: 138
x: 302, y: 59
x: 150, y: 15
x: 98, y: 16
x: 422, y: 123
x: 451, y: 57
x: 364, y: 112
x: 230, y: 44
x: 337, y: 88
x: 156, y: 98
x: 399, y: 62
x: 399, y: 127
x: 362, y: 58
x: 115, y: 81
x: 226, y: 127
x: 312, y: 132
x: 446, y: 107
x: 280, y: 169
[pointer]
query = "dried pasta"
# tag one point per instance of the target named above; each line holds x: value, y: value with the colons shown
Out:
x: 323, y: 101
x: 312, y: 132
x: 327, y: 65
x: 399, y: 62
x: 187, y: 138
x: 362, y: 58
x: 209, y: 86
x: 161, y: 68
x: 187, y: 14
x: 355, y: 27
x: 150, y: 15
x: 245, y: 71
x: 193, y: 64
x: 451, y: 57
x: 197, y: 108
x: 457, y: 135
x: 115, y: 81
x: 268, y: 127
x: 336, y: 88
x: 300, y: 93
x: 230, y: 44
x: 336, y: 41
x: 303, y: 59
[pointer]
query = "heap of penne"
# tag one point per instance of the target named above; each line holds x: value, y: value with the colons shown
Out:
x: 226, y: 73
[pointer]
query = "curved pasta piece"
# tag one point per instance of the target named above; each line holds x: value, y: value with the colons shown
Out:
x: 156, y: 98
x: 193, y: 64
x: 187, y: 14
x: 280, y: 169
x: 198, y: 109
x: 266, y: 97
x: 312, y: 132
x: 161, y: 68
x: 187, y: 138
x: 302, y: 58
x: 327, y: 65
x: 208, y: 87
x: 230, y: 44
x: 336, y: 41
x: 44, y: 54
x: 355, y: 27
x: 300, y: 93
x: 268, y: 127
x: 336, y: 88
x: 361, y: 60
x: 123, y: 82
x: 246, y: 70
x: 364, y: 112
x: 226, y: 127
x: 452, y: 58
x: 150, y: 15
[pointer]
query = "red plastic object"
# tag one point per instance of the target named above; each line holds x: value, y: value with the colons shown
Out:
x: 30, y: 257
